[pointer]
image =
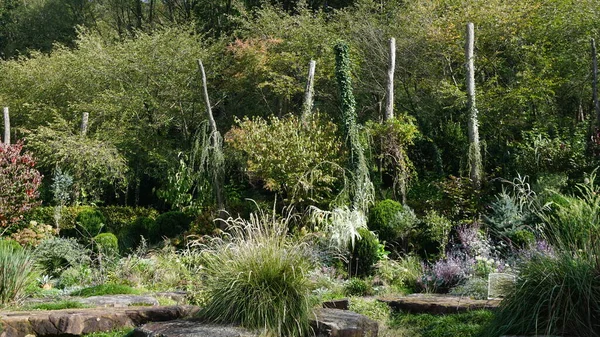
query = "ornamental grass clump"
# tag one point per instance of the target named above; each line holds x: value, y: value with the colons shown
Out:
x: 558, y: 290
x: 257, y: 277
x: 17, y: 270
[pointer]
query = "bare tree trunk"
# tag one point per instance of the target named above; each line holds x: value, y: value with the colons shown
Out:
x: 595, y: 82
x: 309, y: 92
x: 6, y: 127
x: 389, y: 106
x: 214, y: 135
x: 474, y: 150
x: 84, y: 123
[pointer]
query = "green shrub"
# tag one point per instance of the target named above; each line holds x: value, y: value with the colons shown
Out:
x: 116, y: 217
x: 400, y: 274
x: 300, y: 161
x: 10, y: 243
x: 46, y: 215
x: 522, y: 238
x: 131, y: 236
x: 57, y: 254
x: 170, y: 225
x: 90, y: 222
x: 376, y: 310
x: 107, y: 244
x: 106, y: 289
x: 358, y: 287
x: 17, y: 268
x: 391, y: 221
x: 79, y: 275
x: 475, y: 287
x: 436, y: 229
x: 366, y: 254
x: 259, y: 278
x: 120, y: 217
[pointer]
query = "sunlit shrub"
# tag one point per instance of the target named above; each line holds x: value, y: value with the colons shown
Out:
x: 285, y: 156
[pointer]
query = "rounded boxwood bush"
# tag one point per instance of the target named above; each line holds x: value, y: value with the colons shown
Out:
x: 107, y: 244
x: 522, y: 238
x: 391, y: 221
x: 358, y: 287
x: 88, y: 223
x: 131, y: 236
x: 169, y: 225
x: 365, y: 254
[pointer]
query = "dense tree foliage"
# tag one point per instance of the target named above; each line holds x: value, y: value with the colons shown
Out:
x: 132, y: 66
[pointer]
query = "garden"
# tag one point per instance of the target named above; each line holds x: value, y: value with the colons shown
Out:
x: 195, y: 160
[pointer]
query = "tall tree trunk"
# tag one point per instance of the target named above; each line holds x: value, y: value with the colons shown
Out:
x: 595, y: 82
x: 214, y: 139
x: 474, y: 149
x: 84, y: 123
x: 389, y: 106
x: 6, y: 127
x: 309, y: 92
x: 138, y: 14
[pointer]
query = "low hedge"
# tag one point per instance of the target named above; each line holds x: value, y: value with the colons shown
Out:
x: 117, y: 217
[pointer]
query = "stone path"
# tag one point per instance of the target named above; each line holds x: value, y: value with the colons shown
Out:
x: 163, y: 321
x: 437, y: 304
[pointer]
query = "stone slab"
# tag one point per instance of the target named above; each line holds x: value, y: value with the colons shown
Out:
x: 435, y: 304
x: 119, y: 301
x: 325, y: 323
x: 74, y: 322
x: 343, y: 323
x: 189, y: 328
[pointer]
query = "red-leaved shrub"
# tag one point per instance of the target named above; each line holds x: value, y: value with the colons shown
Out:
x: 19, y: 182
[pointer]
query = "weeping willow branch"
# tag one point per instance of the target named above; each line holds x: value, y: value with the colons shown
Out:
x: 211, y: 159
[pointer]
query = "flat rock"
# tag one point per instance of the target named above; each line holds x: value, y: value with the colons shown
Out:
x: 75, y: 322
x: 325, y: 323
x: 189, y: 328
x: 119, y: 301
x: 343, y: 323
x: 438, y: 304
